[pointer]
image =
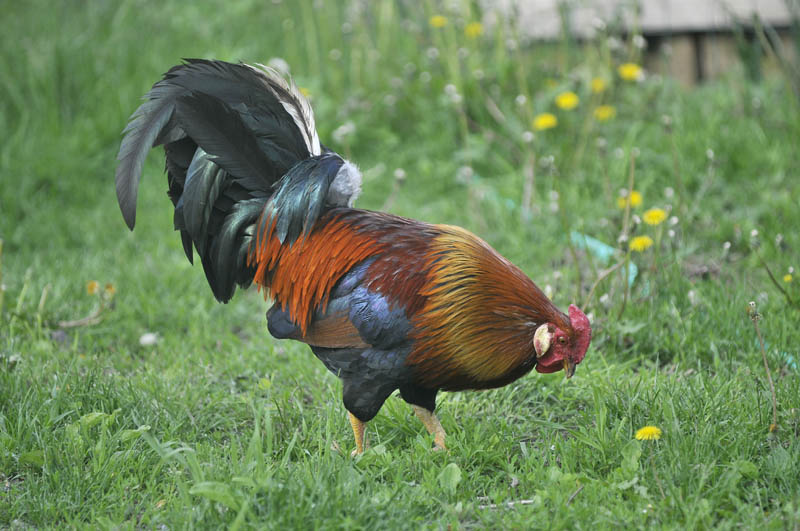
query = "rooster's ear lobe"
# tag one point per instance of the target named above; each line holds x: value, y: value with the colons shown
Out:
x: 541, y: 340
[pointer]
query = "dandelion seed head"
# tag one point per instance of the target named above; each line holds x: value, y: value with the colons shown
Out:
x: 548, y: 291
x: 148, y: 339
x: 345, y: 130
x: 527, y: 137
x: 464, y: 174
x: 280, y: 65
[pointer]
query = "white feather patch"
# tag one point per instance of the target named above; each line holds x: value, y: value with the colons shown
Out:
x: 346, y: 186
x: 296, y: 105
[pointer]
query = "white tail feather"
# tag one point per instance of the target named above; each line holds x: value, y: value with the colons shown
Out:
x: 296, y: 105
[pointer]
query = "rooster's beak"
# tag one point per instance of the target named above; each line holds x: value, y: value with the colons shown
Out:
x: 569, y: 367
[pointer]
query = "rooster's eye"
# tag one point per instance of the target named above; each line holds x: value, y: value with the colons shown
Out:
x: 562, y: 340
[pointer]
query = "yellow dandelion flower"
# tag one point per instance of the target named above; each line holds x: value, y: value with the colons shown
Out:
x: 641, y: 243
x: 604, y: 112
x: 110, y: 289
x: 648, y: 433
x: 654, y: 216
x: 304, y: 91
x: 629, y: 71
x: 787, y: 277
x: 473, y: 30
x: 635, y: 200
x: 544, y: 121
x: 567, y: 100
x: 92, y: 286
x: 438, y: 21
x: 598, y: 85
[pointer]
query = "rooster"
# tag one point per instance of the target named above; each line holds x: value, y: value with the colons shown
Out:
x: 386, y: 303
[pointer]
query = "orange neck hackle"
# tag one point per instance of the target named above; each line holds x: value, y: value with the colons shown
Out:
x: 480, y: 316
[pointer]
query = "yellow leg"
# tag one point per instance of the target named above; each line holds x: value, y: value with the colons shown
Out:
x: 433, y: 426
x: 358, y: 432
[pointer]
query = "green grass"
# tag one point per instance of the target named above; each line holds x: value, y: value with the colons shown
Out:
x: 219, y: 425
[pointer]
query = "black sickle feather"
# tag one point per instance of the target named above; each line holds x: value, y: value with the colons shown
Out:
x: 204, y: 181
x: 235, y: 137
x: 251, y: 93
x: 220, y: 131
x: 140, y: 133
x: 229, y: 245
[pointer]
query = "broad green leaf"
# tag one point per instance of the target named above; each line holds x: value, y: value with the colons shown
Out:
x: 450, y: 477
x: 217, y: 492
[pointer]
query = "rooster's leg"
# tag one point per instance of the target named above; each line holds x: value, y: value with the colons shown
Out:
x: 433, y: 426
x: 359, y: 428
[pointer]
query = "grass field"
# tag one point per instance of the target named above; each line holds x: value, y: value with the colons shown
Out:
x: 215, y: 424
